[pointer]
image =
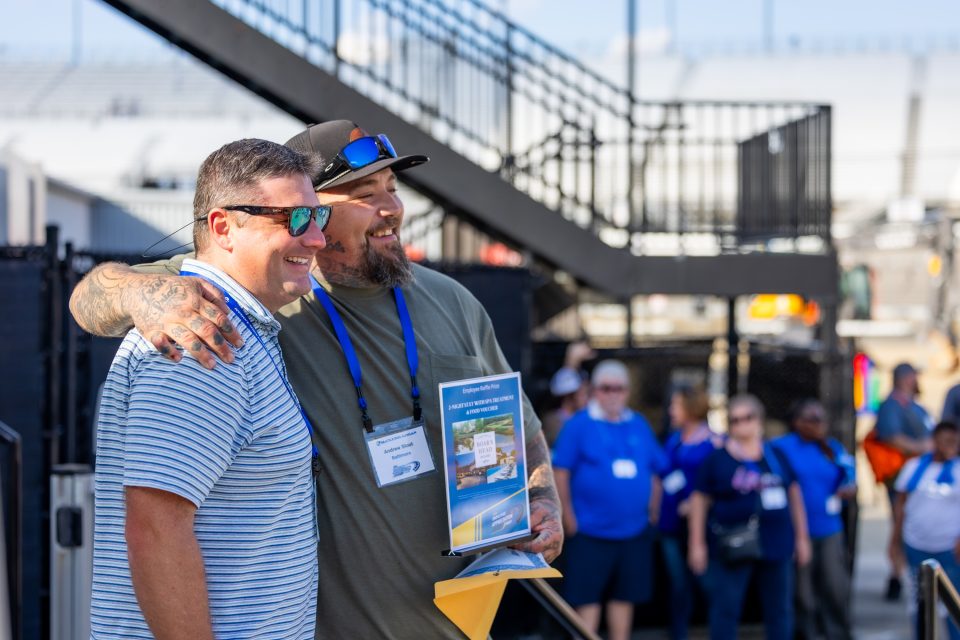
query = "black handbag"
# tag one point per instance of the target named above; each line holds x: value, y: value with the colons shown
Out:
x: 739, y: 542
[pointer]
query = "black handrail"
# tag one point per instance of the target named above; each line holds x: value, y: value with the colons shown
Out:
x: 13, y: 519
x: 935, y: 587
x: 558, y: 608
x: 495, y: 92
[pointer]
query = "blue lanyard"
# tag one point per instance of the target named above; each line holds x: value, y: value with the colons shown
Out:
x: 238, y: 310
x: 945, y: 477
x: 346, y: 345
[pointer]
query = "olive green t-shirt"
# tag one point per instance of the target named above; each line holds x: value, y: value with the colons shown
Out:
x: 379, y: 551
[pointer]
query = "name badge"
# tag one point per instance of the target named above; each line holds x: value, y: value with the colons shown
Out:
x: 674, y: 482
x: 625, y: 469
x: 833, y: 505
x: 773, y: 498
x: 399, y: 451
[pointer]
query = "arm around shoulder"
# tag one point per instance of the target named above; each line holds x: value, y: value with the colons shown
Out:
x: 166, y: 309
x: 97, y: 302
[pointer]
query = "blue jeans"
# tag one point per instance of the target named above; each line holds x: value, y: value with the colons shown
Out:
x: 915, y: 558
x: 727, y: 585
x: 682, y: 585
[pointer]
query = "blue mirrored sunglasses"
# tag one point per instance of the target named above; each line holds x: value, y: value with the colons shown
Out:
x: 360, y: 153
x: 298, y: 218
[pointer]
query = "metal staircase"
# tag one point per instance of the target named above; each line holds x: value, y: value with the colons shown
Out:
x: 531, y: 147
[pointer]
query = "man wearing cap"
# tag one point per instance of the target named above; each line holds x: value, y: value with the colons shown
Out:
x: 569, y: 389
x: 204, y: 522
x: 348, y: 346
x: 905, y: 425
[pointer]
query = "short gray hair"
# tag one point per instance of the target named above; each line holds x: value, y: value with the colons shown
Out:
x: 610, y: 369
x: 751, y: 402
x: 233, y: 172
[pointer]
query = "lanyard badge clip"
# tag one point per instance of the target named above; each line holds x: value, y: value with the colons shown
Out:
x: 364, y: 416
x: 415, y: 395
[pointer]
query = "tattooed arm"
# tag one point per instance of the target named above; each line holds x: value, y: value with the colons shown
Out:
x: 544, y: 503
x: 166, y: 309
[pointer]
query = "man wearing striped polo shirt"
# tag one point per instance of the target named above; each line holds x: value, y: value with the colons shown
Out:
x: 205, y: 524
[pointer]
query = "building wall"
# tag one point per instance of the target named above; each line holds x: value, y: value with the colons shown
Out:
x: 23, y: 201
x: 131, y: 221
x: 71, y: 211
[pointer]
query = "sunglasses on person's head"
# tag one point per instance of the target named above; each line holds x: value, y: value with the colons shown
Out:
x: 358, y: 154
x: 611, y: 388
x: 743, y: 417
x: 298, y: 218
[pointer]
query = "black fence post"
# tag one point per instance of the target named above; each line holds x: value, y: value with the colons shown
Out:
x: 54, y: 293
x: 70, y: 360
x: 733, y: 349
x: 14, y: 527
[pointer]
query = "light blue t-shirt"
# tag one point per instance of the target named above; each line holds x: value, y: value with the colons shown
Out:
x: 233, y: 442
x: 611, y: 467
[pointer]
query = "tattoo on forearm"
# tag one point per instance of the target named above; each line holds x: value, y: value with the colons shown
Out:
x: 96, y: 302
x: 540, y: 481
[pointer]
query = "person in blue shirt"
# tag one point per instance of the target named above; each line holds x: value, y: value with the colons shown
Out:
x: 748, y: 495
x: 687, y: 447
x: 827, y: 476
x: 951, y: 405
x: 606, y: 460
x: 905, y: 425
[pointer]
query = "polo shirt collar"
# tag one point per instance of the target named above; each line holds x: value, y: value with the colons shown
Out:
x: 596, y: 413
x: 262, y: 319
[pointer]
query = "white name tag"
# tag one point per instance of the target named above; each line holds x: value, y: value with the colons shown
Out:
x: 625, y: 469
x: 400, y: 455
x: 833, y: 505
x: 773, y: 498
x: 674, y: 482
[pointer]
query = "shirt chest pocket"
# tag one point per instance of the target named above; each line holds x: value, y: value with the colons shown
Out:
x: 447, y: 368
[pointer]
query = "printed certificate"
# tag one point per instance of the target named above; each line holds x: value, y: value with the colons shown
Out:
x: 485, y: 462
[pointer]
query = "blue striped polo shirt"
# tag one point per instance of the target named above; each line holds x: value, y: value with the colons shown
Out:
x: 233, y: 442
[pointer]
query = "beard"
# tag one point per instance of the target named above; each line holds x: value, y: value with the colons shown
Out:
x: 388, y: 268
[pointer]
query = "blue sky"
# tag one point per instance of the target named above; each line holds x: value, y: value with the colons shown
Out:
x: 46, y: 28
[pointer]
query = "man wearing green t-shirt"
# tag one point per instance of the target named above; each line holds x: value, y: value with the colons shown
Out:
x: 379, y: 551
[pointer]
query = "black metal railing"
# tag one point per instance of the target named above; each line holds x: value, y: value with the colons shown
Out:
x: 11, y: 519
x: 935, y: 588
x: 558, y: 609
x: 562, y: 133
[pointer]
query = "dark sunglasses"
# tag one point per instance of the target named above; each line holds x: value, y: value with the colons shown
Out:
x: 298, y: 218
x: 360, y: 153
x: 747, y: 417
x: 611, y: 388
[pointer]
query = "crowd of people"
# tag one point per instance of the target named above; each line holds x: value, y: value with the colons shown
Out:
x: 720, y: 508
x: 223, y: 511
x: 726, y: 509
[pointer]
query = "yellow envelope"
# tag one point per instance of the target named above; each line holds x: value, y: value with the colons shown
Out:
x: 471, y: 603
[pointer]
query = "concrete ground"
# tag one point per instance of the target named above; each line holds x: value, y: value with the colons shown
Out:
x: 873, y: 617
